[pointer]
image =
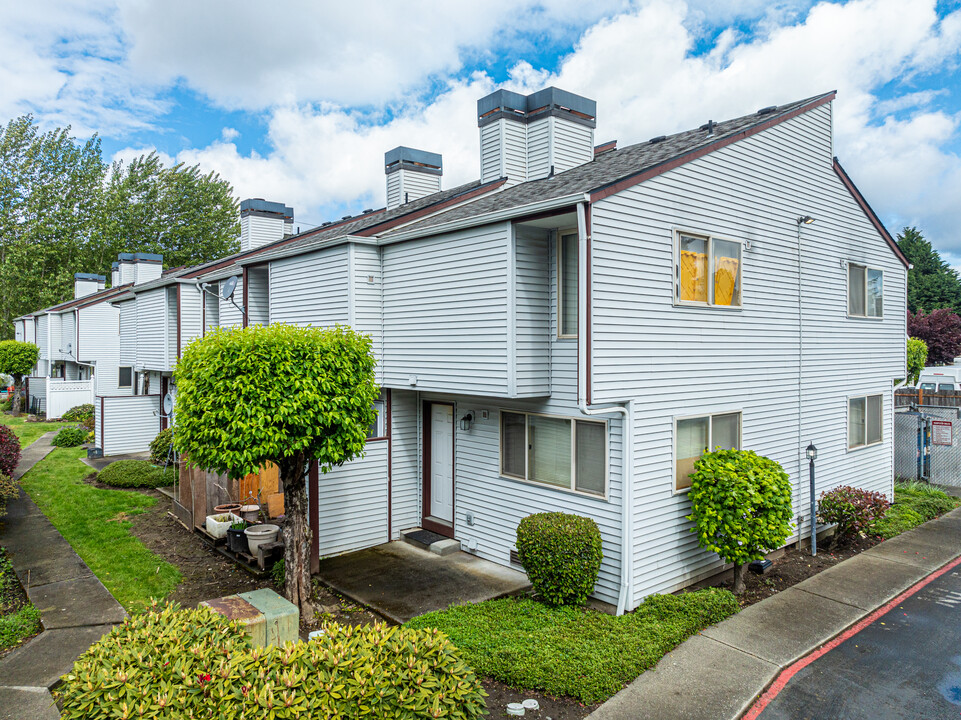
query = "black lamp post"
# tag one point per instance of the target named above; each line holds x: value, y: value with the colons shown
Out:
x: 812, y: 453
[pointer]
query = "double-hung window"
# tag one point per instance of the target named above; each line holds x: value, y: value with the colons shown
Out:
x: 865, y: 420
x: 566, y: 453
x: 694, y: 436
x: 865, y: 291
x: 708, y: 271
x: 378, y: 428
x: 567, y: 284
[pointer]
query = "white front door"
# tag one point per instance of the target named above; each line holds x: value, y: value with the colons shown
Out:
x: 442, y: 462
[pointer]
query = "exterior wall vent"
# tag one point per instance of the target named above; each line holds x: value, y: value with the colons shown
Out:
x: 515, y: 558
x: 529, y: 137
x: 411, y: 175
x: 263, y: 222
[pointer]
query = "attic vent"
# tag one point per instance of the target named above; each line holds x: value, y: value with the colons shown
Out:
x: 709, y: 126
x: 347, y: 217
x: 767, y: 110
x: 659, y: 138
x: 325, y: 224
x: 368, y: 211
x: 515, y: 558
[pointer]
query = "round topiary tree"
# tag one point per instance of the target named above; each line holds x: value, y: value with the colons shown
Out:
x: 278, y: 394
x: 741, y: 507
x: 561, y: 554
x: 17, y: 359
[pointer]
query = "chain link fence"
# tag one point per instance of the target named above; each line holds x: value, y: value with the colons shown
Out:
x: 927, y: 445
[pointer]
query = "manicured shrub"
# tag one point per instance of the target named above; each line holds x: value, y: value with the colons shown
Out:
x: 853, y: 509
x: 561, y: 554
x: 9, y: 450
x: 70, y: 437
x: 160, y: 447
x: 195, y: 664
x: 136, y: 473
x: 78, y: 413
x: 741, y: 507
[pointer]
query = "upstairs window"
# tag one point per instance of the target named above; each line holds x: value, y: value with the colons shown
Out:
x: 125, y: 377
x: 865, y: 291
x: 567, y: 285
x: 708, y: 271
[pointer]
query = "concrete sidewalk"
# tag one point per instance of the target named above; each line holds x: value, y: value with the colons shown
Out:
x: 75, y: 608
x: 718, y: 674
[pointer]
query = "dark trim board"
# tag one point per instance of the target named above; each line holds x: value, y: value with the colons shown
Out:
x: 427, y: 522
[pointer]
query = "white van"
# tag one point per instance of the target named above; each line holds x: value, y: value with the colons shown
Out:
x: 938, y: 378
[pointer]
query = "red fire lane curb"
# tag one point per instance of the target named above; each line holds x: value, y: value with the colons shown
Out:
x: 784, y: 677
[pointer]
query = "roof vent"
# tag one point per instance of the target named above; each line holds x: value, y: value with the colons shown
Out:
x: 709, y: 126
x: 368, y: 211
x: 767, y: 110
x: 659, y: 138
x: 347, y: 217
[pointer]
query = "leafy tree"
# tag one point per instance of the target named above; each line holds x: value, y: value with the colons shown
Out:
x: 17, y: 359
x: 917, y: 358
x: 741, y: 507
x: 932, y: 283
x: 941, y: 332
x: 281, y: 394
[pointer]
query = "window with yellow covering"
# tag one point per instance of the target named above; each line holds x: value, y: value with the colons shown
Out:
x: 694, y: 435
x: 708, y: 271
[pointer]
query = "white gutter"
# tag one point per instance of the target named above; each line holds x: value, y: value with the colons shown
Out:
x: 626, y: 411
x: 488, y: 218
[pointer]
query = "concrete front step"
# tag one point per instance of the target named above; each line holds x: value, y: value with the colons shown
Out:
x: 427, y: 540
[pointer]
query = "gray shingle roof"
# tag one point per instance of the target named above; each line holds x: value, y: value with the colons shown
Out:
x: 608, y: 168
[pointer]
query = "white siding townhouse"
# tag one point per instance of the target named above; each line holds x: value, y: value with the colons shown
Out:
x: 572, y: 330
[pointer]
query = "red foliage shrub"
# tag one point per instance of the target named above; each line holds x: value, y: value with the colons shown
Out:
x: 9, y: 450
x: 854, y: 510
x: 941, y: 331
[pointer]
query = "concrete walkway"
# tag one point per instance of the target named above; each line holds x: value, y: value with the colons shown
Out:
x: 719, y: 673
x: 75, y: 608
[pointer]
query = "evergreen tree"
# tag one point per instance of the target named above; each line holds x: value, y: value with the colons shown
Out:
x: 932, y: 283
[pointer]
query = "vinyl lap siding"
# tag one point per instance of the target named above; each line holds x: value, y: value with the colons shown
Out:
x: 128, y: 332
x: 515, y: 152
x: 129, y: 424
x: 691, y: 361
x: 445, y: 312
x: 151, y: 329
x: 532, y: 317
x: 100, y: 344
x: 68, y: 335
x: 352, y: 503
x: 229, y: 314
x: 539, y: 148
x: 258, y: 297
x: 492, y: 160
x: 191, y: 315
x: 394, y: 194
x: 171, y: 329
x: 405, y: 462
x: 42, y: 335
x: 310, y: 289
x: 573, y: 145
x: 367, y: 316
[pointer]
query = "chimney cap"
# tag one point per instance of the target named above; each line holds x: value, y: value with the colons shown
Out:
x: 114, y: 265
x: 259, y: 205
x: 502, y: 100
x: 525, y: 108
x: 552, y: 98
x: 139, y: 257
x: 414, y: 159
x: 89, y: 276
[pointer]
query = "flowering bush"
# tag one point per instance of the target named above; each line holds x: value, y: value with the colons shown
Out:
x: 9, y: 450
x: 854, y: 510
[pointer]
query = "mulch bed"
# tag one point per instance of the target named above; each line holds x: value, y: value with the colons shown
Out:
x: 555, y: 708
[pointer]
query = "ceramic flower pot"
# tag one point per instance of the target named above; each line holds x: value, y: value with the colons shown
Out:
x: 258, y: 535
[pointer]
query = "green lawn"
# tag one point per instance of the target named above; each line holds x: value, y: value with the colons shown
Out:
x: 96, y: 523
x: 28, y: 432
x: 582, y: 653
x: 914, y: 503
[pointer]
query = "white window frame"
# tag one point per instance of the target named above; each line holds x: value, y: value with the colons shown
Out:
x: 380, y: 405
x: 847, y: 424
x: 559, y: 285
x: 710, y: 436
x: 574, y: 420
x: 710, y: 238
x: 130, y: 384
x: 847, y: 293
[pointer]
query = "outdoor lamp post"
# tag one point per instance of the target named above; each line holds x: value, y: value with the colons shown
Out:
x: 812, y: 453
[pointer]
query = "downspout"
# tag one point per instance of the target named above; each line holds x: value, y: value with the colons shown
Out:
x: 626, y: 411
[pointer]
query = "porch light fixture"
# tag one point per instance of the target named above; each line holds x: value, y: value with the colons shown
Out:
x: 467, y: 421
x: 812, y: 455
x: 805, y: 220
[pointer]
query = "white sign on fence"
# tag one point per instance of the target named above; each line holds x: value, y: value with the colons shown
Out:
x: 942, y: 431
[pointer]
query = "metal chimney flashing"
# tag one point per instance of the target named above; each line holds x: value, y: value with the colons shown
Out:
x: 412, y: 159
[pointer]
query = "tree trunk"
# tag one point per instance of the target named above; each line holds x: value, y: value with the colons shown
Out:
x: 297, y: 587
x: 15, y: 407
x: 739, y: 571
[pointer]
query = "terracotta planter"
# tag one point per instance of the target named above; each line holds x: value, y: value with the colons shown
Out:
x: 227, y: 508
x: 250, y: 513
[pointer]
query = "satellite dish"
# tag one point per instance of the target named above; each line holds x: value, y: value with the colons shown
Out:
x: 227, y: 289
x: 69, y: 348
x: 168, y: 404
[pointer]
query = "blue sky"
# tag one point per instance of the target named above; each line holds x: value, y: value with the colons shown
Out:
x: 298, y: 102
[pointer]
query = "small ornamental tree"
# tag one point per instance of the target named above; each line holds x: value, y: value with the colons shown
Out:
x: 281, y: 394
x: 741, y: 507
x: 917, y: 358
x: 939, y: 329
x: 17, y: 359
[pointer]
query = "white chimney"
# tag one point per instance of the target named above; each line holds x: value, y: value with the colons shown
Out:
x: 138, y: 268
x: 115, y: 274
x: 411, y: 174
x: 87, y: 284
x: 529, y: 137
x: 263, y: 222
